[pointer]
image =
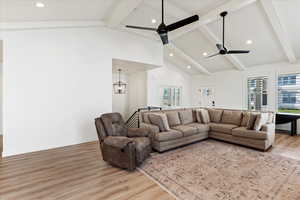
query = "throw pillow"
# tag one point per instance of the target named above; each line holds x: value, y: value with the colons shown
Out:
x: 246, y: 117
x: 261, y: 119
x: 215, y: 115
x: 251, y: 121
x: 205, y: 118
x: 173, y: 118
x: 186, y: 117
x: 198, y: 116
x: 160, y: 120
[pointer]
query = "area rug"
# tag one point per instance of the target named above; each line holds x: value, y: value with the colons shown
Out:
x: 212, y: 170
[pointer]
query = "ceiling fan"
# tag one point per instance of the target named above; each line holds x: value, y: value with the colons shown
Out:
x: 163, y: 29
x: 221, y: 47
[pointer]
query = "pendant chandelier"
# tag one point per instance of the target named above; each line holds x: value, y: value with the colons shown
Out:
x: 119, y: 86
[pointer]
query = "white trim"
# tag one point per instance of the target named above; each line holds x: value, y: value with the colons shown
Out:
x: 122, y: 10
x: 279, y: 29
x: 49, y: 24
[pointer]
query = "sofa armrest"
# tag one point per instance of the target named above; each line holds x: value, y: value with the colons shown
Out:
x: 153, y: 130
x: 270, y: 129
x: 138, y: 132
x: 119, y: 142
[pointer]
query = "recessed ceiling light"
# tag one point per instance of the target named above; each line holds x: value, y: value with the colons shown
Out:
x: 205, y: 54
x: 153, y: 21
x: 171, y: 54
x: 39, y: 5
x: 249, y: 42
x: 189, y: 67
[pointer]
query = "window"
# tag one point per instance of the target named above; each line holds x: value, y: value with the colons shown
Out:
x: 171, y: 96
x: 289, y: 93
x: 257, y: 93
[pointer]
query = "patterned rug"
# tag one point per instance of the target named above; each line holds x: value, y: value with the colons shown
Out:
x: 212, y: 170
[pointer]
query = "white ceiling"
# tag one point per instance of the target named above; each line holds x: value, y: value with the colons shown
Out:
x: 249, y: 22
x: 130, y: 67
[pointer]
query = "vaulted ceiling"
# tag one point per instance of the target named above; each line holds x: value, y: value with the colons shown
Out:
x: 271, y: 24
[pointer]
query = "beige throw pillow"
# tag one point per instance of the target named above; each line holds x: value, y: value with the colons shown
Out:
x: 186, y: 116
x: 198, y: 116
x: 261, y: 119
x: 246, y: 117
x: 160, y: 120
x: 251, y: 121
x: 205, y: 118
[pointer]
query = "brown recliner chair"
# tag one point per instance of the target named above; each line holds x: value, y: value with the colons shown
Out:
x: 122, y: 146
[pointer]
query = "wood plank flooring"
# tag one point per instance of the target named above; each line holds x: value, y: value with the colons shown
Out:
x: 75, y: 172
x: 78, y: 173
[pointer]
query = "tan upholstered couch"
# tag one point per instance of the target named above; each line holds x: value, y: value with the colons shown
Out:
x: 223, y: 124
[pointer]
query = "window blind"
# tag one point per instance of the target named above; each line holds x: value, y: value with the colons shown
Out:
x: 257, y: 93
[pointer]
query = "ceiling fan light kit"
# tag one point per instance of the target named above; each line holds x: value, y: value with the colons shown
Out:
x: 163, y: 29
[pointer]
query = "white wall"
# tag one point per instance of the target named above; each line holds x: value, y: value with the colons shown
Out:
x: 56, y: 81
x: 120, y: 102
x: 137, y: 91
x: 231, y: 86
x: 169, y: 75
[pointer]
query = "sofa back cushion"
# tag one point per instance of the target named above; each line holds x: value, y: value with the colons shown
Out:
x: 173, y: 118
x: 261, y: 120
x: 186, y: 116
x: 232, y: 117
x: 215, y: 115
x: 160, y: 120
x: 204, y: 115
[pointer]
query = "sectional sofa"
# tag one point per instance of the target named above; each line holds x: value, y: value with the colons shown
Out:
x: 185, y: 126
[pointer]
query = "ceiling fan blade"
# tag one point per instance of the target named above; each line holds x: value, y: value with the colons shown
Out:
x: 141, y: 28
x: 164, y: 38
x: 182, y: 23
x: 237, y: 51
x: 219, y: 46
x: 213, y: 55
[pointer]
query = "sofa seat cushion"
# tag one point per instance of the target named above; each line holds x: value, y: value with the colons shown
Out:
x: 252, y: 134
x: 168, y: 135
x: 200, y: 127
x: 141, y: 143
x: 223, y: 128
x: 186, y: 130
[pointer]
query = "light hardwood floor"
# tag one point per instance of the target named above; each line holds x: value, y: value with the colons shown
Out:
x: 77, y: 172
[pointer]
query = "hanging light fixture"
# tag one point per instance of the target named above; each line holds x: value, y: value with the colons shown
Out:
x: 119, y: 86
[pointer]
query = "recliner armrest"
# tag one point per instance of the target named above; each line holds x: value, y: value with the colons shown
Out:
x: 153, y: 130
x: 119, y: 142
x: 138, y: 132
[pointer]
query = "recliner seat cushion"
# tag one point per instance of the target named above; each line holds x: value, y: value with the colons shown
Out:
x: 168, y: 135
x: 186, y: 130
x: 223, y: 128
x: 232, y: 117
x: 173, y: 118
x: 215, y: 115
x: 245, y: 133
x: 200, y: 127
x: 186, y: 116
